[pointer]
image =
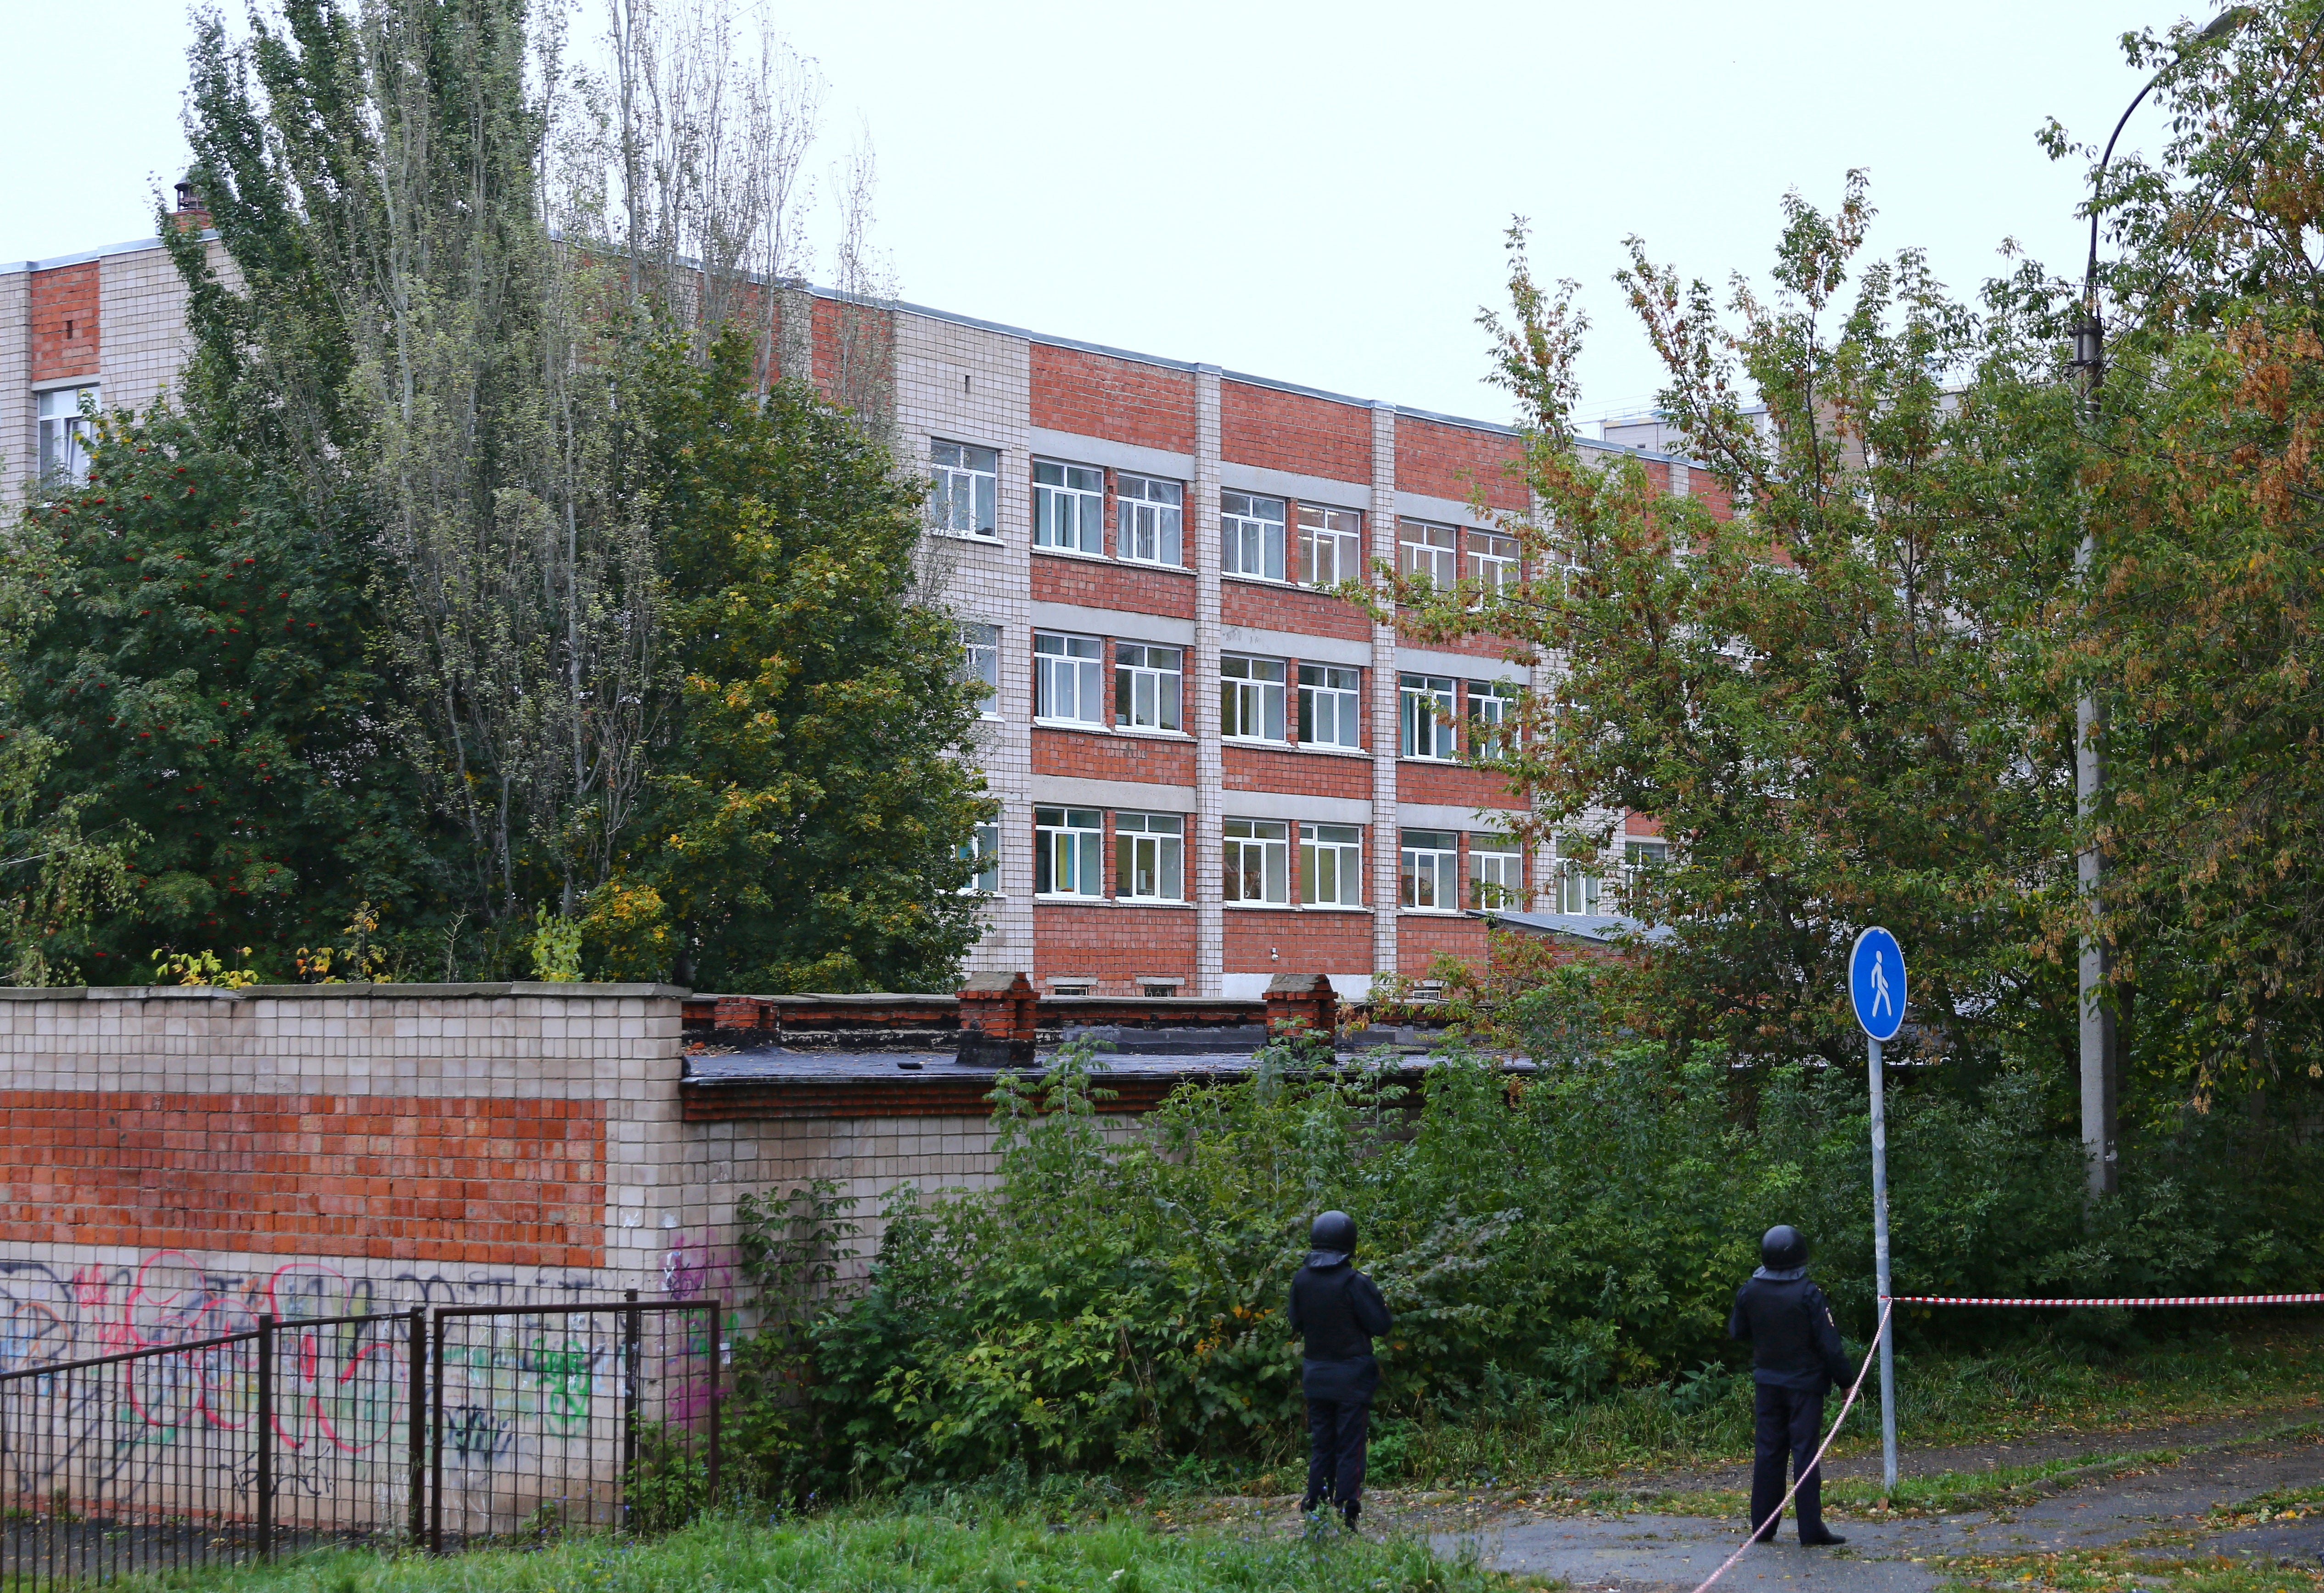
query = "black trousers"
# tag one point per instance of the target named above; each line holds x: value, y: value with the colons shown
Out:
x: 1337, y: 1431
x: 1339, y: 1423
x: 1790, y: 1424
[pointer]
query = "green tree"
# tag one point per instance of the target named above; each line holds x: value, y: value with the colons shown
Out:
x: 1832, y: 699
x: 191, y: 667
x: 808, y: 811
x: 2206, y: 505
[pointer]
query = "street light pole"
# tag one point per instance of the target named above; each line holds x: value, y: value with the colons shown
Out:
x: 2101, y: 1056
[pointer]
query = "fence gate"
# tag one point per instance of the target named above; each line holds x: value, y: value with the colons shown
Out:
x: 556, y: 1417
x: 383, y: 1429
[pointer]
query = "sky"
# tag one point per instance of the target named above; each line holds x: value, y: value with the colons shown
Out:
x: 1315, y: 193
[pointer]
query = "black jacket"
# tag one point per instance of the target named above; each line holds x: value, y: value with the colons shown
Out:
x: 1335, y: 1309
x: 1794, y: 1342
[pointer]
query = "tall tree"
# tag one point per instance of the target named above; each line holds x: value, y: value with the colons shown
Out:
x: 807, y: 814
x: 1826, y: 699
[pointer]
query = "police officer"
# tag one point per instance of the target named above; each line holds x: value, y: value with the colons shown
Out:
x: 1795, y: 1358
x: 1338, y: 1311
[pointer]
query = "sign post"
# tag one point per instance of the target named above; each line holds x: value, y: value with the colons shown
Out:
x: 1875, y: 984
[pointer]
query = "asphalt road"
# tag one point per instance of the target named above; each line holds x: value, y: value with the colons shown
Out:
x: 2160, y: 1512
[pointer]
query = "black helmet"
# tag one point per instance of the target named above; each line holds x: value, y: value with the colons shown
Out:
x: 1782, y: 1248
x: 1335, y: 1231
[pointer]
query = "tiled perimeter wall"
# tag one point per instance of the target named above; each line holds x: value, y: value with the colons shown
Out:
x: 173, y: 1162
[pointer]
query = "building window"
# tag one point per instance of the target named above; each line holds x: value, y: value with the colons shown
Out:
x: 1148, y: 685
x: 1426, y: 552
x: 1641, y: 858
x: 1496, y: 872
x: 1424, y: 706
x: 1331, y: 865
x: 1068, y: 851
x: 1068, y: 507
x: 982, y: 848
x: 65, y: 433
x: 979, y: 661
x: 1492, y: 563
x: 1430, y: 869
x: 1149, y: 515
x: 1577, y: 891
x: 1251, y: 698
x: 1250, y: 535
x: 1492, y: 717
x: 1067, y: 683
x: 1257, y: 860
x: 1150, y: 857
x: 965, y: 493
x: 1331, y: 545
x: 1330, y: 699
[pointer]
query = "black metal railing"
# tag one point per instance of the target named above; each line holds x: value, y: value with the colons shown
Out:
x: 437, y: 1428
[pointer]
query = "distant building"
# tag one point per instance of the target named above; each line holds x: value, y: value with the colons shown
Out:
x: 1210, y: 770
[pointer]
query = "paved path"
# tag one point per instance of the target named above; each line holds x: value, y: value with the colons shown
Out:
x: 1656, y: 1553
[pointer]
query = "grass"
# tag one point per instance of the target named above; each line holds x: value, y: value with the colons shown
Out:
x: 890, y: 1552
x: 2117, y: 1570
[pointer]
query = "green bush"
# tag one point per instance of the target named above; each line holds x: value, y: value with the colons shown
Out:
x: 1543, y: 1240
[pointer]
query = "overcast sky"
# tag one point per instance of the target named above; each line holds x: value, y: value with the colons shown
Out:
x: 1311, y: 192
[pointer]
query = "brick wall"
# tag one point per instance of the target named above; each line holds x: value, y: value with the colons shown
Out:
x: 1280, y: 430
x: 63, y: 315
x: 1095, y: 756
x: 1094, y: 583
x: 1446, y: 461
x: 1126, y: 400
x: 1423, y: 937
x: 1278, y: 940
x: 404, y: 1178
x: 1115, y: 944
x: 1304, y: 774
x: 1263, y: 605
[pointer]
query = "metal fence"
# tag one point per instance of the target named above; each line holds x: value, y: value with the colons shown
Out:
x: 436, y: 1428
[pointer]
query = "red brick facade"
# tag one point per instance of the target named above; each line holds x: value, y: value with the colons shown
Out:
x: 1278, y: 430
x: 487, y: 1180
x: 64, y: 316
x: 1124, y: 400
x: 1445, y: 461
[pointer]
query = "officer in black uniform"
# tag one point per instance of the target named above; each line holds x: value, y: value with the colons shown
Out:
x: 1795, y: 1358
x: 1338, y: 1311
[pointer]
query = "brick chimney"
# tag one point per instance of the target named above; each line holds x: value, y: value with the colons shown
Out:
x: 189, y: 214
x: 1307, y: 996
x: 997, y: 1016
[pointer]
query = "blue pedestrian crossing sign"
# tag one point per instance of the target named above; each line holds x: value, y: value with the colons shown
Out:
x: 1875, y: 980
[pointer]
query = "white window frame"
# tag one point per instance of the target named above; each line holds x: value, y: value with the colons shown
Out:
x: 1149, y: 847
x: 1332, y: 694
x: 1428, y: 870
x: 1068, y: 507
x: 1149, y: 516
x: 1427, y: 551
x: 61, y: 458
x: 982, y: 848
x: 1147, y: 694
x: 1071, y: 839
x: 1250, y: 691
x: 1492, y: 717
x: 1331, y: 865
x: 1580, y: 891
x: 1256, y: 853
x: 1250, y: 535
x: 1496, y: 873
x: 1423, y: 703
x: 964, y: 489
x: 1331, y: 545
x: 1640, y: 853
x: 1492, y: 558
x: 979, y: 661
x: 1068, y: 679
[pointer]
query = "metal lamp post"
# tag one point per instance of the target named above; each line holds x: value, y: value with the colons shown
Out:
x: 2101, y: 1061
